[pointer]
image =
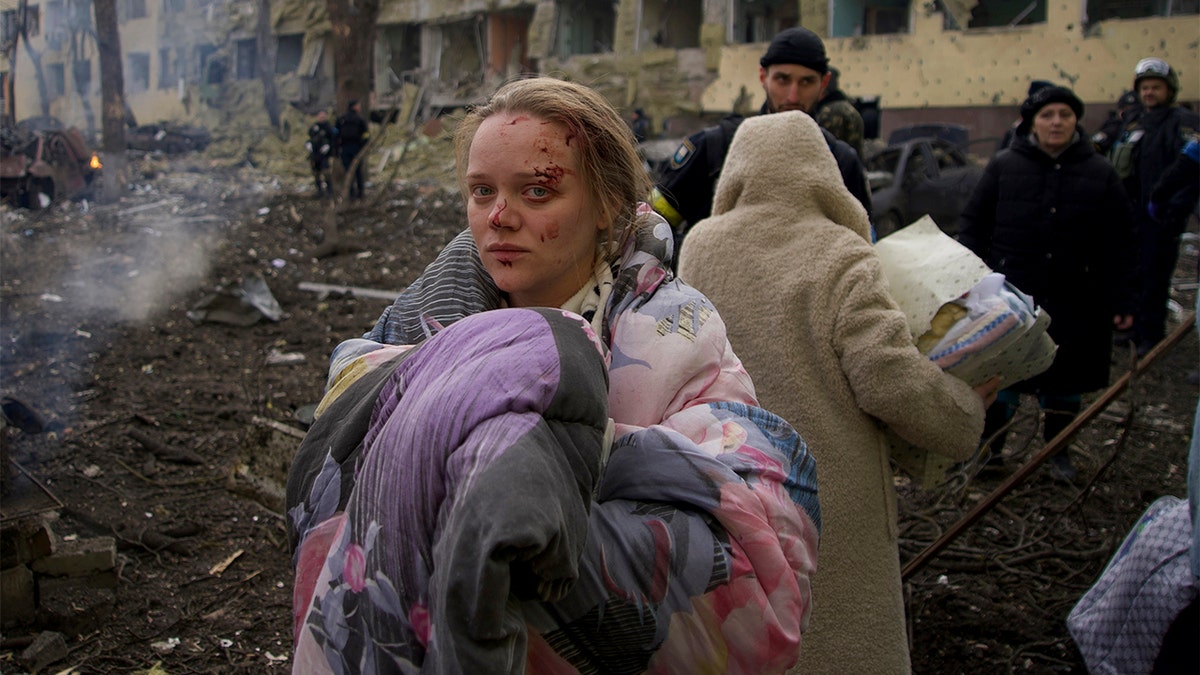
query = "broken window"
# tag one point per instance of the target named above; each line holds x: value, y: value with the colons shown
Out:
x: 288, y: 53
x: 670, y: 24
x: 175, y: 6
x: 585, y: 27
x: 759, y: 20
x: 1099, y: 10
x: 461, y: 58
x: 507, y: 38
x: 209, y: 69
x: 128, y: 10
x: 166, y: 69
x: 400, y: 54
x: 8, y: 25
x: 33, y: 20
x: 81, y: 75
x: 56, y: 22
x: 247, y: 59
x: 959, y: 14
x: 56, y: 80
x: 137, y: 72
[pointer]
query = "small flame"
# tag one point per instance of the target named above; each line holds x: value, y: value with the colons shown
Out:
x: 95, y: 163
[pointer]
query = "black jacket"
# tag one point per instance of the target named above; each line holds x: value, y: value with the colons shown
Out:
x: 352, y: 130
x: 1060, y: 230
x: 691, y: 178
x: 1156, y: 136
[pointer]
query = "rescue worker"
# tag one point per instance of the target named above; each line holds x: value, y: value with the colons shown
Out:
x: 640, y: 125
x: 1111, y: 128
x: 793, y: 73
x: 837, y: 113
x: 320, y: 146
x: 1150, y: 143
x: 352, y: 132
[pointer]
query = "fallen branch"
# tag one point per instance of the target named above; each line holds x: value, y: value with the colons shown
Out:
x: 162, y: 451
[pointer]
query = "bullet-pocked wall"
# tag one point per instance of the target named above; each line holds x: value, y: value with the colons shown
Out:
x: 979, y: 76
x: 192, y: 60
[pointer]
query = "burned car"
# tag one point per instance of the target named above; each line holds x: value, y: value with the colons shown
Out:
x: 43, y: 161
x: 924, y: 170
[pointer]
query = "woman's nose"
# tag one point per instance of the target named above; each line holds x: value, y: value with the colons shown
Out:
x: 499, y: 217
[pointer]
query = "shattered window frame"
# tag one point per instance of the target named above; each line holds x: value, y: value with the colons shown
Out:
x: 134, y: 9
x: 166, y: 68
x: 670, y: 24
x: 8, y: 25
x: 993, y: 14
x: 1103, y: 10
x: 583, y: 20
x: 137, y: 74
x: 56, y: 80
x: 33, y: 20
x: 756, y: 21
x: 81, y: 76
x: 247, y: 58
x: 289, y: 51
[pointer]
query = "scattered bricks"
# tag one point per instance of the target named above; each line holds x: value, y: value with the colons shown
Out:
x: 47, y: 648
x: 25, y: 542
x: 18, y: 598
x: 75, y: 605
x: 79, y: 558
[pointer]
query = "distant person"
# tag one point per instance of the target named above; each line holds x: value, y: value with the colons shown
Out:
x: 1149, y: 144
x: 1111, y: 128
x: 837, y: 114
x: 786, y: 257
x: 793, y: 73
x: 320, y: 146
x: 640, y: 124
x: 1051, y: 216
x: 352, y: 133
x: 1034, y: 87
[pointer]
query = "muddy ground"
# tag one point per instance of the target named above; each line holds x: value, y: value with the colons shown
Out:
x: 156, y: 427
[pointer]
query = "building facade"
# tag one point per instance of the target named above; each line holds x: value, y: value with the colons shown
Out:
x: 684, y: 62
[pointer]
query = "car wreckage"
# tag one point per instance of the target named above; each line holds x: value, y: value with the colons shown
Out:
x: 43, y: 162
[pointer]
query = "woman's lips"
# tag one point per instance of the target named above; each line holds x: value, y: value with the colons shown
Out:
x: 505, y: 253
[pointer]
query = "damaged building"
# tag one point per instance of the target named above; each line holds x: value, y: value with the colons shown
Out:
x: 684, y: 62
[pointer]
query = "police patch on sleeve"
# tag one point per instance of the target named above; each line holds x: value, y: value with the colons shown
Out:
x: 682, y: 153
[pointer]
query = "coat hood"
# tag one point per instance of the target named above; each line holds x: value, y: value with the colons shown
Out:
x: 782, y: 164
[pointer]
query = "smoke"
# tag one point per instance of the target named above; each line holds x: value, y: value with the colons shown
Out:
x: 149, y: 267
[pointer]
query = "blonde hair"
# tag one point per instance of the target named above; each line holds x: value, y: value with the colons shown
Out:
x: 609, y: 163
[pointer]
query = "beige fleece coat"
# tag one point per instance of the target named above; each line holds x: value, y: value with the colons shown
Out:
x: 787, y: 260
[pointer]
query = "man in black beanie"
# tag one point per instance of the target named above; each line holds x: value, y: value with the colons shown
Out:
x: 794, y: 72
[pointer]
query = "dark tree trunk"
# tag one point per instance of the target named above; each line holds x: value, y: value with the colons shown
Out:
x: 353, y: 29
x: 112, y: 97
x: 268, y: 49
x: 35, y: 59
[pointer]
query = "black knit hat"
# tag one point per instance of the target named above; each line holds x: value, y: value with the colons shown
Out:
x: 1038, y: 85
x: 1046, y: 96
x: 797, y: 45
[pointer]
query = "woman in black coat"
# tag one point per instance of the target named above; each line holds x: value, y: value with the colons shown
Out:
x: 1051, y: 215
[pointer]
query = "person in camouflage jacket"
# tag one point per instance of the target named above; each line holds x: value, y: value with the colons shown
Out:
x: 838, y: 115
